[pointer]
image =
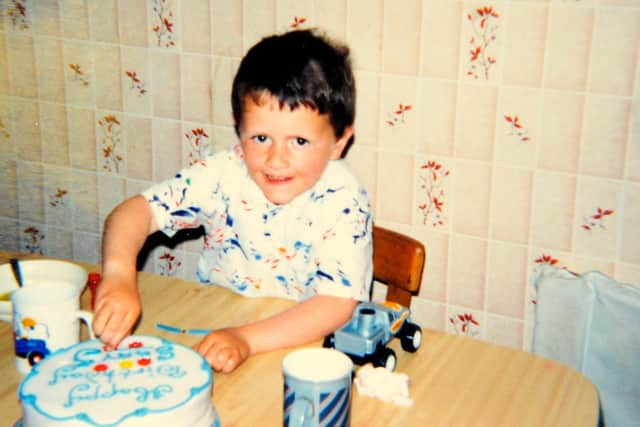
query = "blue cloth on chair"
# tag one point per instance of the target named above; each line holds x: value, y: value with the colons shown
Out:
x: 592, y: 323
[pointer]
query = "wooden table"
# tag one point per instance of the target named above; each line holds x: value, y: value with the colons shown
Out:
x: 454, y: 380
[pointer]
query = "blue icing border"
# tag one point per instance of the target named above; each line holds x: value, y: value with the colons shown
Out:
x: 32, y: 399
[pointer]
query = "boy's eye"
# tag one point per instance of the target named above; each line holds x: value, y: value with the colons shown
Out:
x: 301, y: 141
x: 260, y: 138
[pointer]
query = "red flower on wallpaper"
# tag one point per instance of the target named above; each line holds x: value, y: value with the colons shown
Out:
x: 517, y: 129
x: 136, y: 83
x: 33, y: 238
x: 79, y: 75
x: 431, y: 176
x: 484, y: 27
x: 398, y: 115
x: 168, y: 25
x: 163, y: 27
x: 597, y: 220
x: 57, y: 199
x: 168, y: 264
x: 4, y: 129
x: 110, y: 140
x: 198, y: 141
x: 546, y: 259
x: 297, y: 22
x: 549, y: 260
x: 475, y: 53
x: 18, y: 12
x: 485, y: 13
x: 465, y: 324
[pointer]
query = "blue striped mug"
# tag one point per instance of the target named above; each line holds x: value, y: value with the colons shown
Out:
x: 317, y: 388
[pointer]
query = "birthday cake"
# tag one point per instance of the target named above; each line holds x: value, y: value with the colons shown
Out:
x: 147, y: 381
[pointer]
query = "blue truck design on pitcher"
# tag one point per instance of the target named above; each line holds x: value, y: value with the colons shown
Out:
x: 34, y: 350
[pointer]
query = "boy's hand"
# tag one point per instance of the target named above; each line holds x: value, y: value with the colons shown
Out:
x: 116, y: 311
x: 224, y: 349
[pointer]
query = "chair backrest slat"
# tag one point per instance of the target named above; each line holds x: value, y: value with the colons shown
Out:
x: 398, y: 261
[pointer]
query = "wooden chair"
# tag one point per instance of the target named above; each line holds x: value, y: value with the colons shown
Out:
x: 398, y: 262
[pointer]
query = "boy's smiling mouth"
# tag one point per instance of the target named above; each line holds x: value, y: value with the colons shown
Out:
x: 272, y: 179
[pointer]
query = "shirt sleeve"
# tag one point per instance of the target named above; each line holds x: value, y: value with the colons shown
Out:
x: 344, y: 255
x: 184, y: 201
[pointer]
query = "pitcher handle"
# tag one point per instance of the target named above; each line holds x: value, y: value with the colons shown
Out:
x: 87, y: 318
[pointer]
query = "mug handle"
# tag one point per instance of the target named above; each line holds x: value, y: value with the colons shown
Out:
x: 87, y: 318
x: 302, y: 408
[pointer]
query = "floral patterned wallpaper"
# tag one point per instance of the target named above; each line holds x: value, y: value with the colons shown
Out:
x: 504, y: 134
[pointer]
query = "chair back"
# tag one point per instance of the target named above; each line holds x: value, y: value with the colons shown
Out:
x: 398, y: 262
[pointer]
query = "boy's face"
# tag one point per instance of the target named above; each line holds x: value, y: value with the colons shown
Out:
x: 286, y: 150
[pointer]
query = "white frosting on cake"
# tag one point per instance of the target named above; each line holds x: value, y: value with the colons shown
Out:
x: 147, y: 381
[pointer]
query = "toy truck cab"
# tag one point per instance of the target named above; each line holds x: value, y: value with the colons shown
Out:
x: 372, y: 326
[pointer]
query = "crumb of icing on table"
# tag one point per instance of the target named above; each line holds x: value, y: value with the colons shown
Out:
x: 383, y: 384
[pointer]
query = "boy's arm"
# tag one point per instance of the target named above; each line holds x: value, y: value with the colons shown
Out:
x: 117, y: 300
x: 305, y: 322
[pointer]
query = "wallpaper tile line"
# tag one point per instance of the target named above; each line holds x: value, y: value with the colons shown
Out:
x: 581, y: 143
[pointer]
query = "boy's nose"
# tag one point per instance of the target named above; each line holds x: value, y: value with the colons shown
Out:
x: 277, y: 156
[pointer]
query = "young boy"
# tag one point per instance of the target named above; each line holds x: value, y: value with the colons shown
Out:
x: 282, y: 214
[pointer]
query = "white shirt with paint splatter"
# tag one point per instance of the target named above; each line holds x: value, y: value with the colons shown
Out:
x: 319, y: 243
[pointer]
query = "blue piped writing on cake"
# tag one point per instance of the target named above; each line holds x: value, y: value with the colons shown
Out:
x: 96, y: 374
x: 92, y: 392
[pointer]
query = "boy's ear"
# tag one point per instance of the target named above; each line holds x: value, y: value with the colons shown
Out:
x: 341, y: 143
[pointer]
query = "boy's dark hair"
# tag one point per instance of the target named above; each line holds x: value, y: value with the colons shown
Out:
x: 298, y: 68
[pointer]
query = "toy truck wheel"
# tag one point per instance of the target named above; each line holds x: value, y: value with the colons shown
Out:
x: 34, y: 358
x: 386, y: 358
x: 411, y: 337
x: 329, y: 341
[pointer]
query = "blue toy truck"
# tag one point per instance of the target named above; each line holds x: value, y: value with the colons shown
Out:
x: 364, y: 338
x: 34, y: 350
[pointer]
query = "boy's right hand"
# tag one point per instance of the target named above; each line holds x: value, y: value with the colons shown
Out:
x: 116, y: 311
x: 224, y: 349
